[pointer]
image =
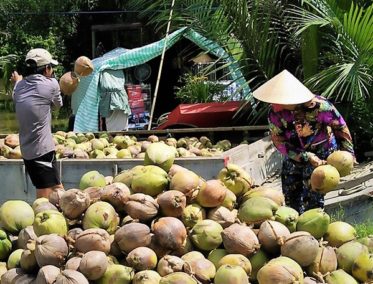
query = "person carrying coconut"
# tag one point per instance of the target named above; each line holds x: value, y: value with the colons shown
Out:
x: 305, y: 129
x: 34, y: 97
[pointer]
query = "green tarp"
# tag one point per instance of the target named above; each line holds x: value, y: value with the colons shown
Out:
x: 85, y: 100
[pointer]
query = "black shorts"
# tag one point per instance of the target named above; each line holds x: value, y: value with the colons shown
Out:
x: 43, y: 170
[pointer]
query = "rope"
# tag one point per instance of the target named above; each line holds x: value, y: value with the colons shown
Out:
x: 161, y: 65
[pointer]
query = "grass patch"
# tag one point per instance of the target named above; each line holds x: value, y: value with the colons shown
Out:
x: 363, y: 229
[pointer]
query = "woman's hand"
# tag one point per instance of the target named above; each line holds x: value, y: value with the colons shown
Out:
x: 16, y: 77
x: 315, y: 161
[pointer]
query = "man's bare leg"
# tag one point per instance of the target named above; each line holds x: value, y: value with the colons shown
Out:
x: 45, y: 192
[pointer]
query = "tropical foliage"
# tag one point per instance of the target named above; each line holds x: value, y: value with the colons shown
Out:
x: 345, y: 60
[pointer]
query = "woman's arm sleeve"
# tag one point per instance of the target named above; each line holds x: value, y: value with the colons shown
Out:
x: 282, y: 143
x: 340, y: 130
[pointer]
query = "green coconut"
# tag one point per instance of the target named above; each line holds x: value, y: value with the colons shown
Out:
x: 257, y: 260
x: 257, y: 209
x: 123, y: 154
x: 236, y: 259
x: 288, y: 217
x: 161, y: 155
x: 92, y: 179
x: 343, y: 161
x: 340, y: 277
x: 50, y: 222
x: 126, y: 176
x: 215, y: 255
x: 347, y: 253
x: 235, y: 179
x: 362, y: 269
x: 367, y: 241
x: 227, y: 274
x: 339, y: 233
x: 16, y: 215
x: 206, y: 235
x: 280, y: 270
x: 229, y: 200
x: 315, y: 221
x: 324, y: 178
x: 3, y: 269
x: 193, y: 213
x: 101, y: 215
x: 5, y: 245
x: 150, y: 180
x: 271, y: 193
x: 117, y: 274
x: 178, y: 278
x: 123, y: 141
x: 192, y: 255
x: 14, y: 259
x: 146, y: 277
x: 97, y: 154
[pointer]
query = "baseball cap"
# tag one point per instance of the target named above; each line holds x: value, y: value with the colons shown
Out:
x: 284, y: 89
x: 41, y: 56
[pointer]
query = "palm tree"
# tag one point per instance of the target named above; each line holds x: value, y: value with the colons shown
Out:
x: 345, y: 56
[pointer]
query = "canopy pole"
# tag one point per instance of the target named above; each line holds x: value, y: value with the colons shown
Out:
x: 160, y: 66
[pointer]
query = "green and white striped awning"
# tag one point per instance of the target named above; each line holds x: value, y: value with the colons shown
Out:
x: 85, y: 100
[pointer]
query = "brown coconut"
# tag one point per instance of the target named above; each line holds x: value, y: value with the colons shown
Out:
x: 51, y: 249
x: 116, y: 194
x: 240, y: 239
x: 202, y: 269
x: 174, y: 169
x: 44, y: 206
x: 300, y: 246
x: 71, y: 277
x: 325, y: 262
x: 169, y: 232
x: 280, y: 270
x: 73, y: 263
x: 223, y: 216
x: 28, y: 261
x: 271, y: 236
x: 68, y: 83
x: 158, y: 249
x: 132, y: 235
x: 83, y: 66
x: 141, y: 206
x: 11, y: 140
x: 213, y: 194
x: 55, y: 196
x: 185, y: 248
x: 93, y: 239
x: 172, y: 203
x: 74, y: 202
x: 93, y: 264
x: 169, y: 264
x: 25, y: 235
x: 94, y: 193
x: 47, y: 274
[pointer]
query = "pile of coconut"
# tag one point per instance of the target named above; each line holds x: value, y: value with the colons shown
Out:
x: 109, y: 146
x: 162, y: 223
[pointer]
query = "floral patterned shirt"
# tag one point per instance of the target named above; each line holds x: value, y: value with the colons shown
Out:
x: 317, y: 127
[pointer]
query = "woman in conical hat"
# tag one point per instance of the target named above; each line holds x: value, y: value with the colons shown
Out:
x: 305, y: 128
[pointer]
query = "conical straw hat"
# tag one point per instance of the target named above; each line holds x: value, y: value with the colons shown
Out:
x: 283, y: 89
